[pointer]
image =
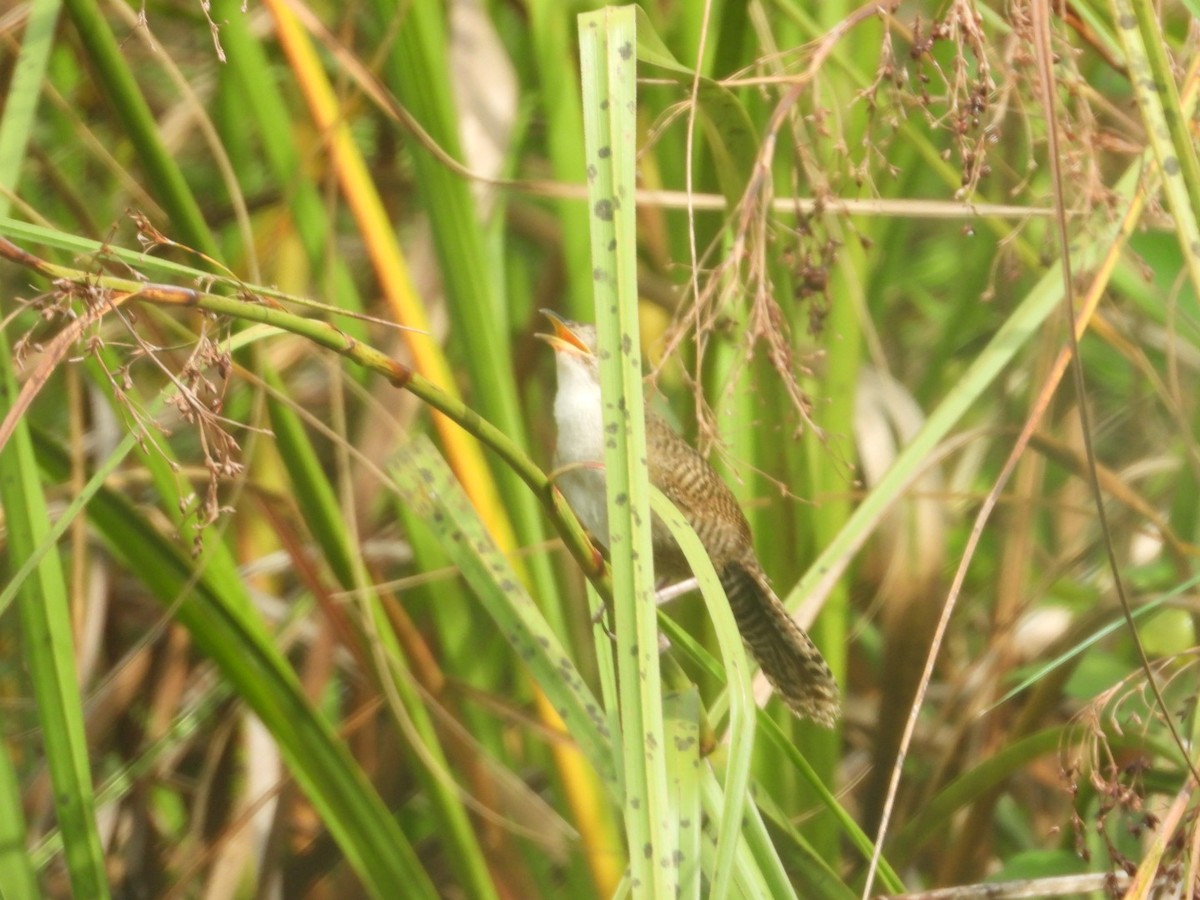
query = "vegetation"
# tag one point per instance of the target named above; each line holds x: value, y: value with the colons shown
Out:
x: 292, y: 607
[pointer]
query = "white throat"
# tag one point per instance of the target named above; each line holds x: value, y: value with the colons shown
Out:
x: 580, y: 453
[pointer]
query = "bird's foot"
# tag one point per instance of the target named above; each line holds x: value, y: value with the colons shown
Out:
x: 599, y: 621
x: 669, y: 592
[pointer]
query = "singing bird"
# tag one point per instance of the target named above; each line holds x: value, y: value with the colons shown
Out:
x: 790, y: 660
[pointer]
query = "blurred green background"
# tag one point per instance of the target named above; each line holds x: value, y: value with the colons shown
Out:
x: 248, y: 650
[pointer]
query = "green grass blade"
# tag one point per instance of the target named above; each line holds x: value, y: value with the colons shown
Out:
x: 324, y: 519
x: 553, y: 40
x: 49, y: 651
x: 741, y: 696
x: 249, y: 67
x: 172, y: 190
x: 430, y: 489
x: 1115, y: 625
x: 773, y: 733
x: 759, y: 872
x: 121, y: 783
x: 608, y: 42
x: 418, y: 72
x: 963, y: 790
x: 20, y: 104
x: 730, y: 135
x: 1021, y: 325
x: 685, y: 765
x: 237, y: 643
x: 63, y: 522
x: 16, y: 865
x: 1171, y: 136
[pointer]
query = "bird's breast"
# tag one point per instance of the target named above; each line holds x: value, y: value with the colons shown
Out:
x: 579, y: 457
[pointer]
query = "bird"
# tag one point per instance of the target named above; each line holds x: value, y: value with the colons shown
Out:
x: 788, y: 657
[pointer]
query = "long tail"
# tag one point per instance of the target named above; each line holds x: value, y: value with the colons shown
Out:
x: 789, y: 658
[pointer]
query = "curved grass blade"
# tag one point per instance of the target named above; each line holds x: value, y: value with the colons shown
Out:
x: 431, y: 490
x: 323, y: 516
x: 731, y: 136
x: 741, y: 696
x: 223, y: 629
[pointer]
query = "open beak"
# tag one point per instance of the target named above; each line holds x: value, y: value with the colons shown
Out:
x: 564, y: 338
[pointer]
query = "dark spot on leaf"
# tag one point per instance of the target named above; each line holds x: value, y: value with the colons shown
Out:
x: 603, y: 210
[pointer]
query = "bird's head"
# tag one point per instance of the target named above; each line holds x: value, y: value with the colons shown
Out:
x: 574, y: 345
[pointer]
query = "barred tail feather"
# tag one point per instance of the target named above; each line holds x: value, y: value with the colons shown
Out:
x: 789, y: 658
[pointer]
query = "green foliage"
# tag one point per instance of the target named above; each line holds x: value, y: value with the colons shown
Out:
x: 268, y: 277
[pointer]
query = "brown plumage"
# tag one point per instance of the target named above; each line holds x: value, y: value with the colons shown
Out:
x: 789, y: 658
